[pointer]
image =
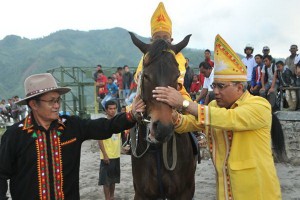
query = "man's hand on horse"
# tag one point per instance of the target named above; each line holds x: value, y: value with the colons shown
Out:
x: 168, y: 95
x: 138, y: 107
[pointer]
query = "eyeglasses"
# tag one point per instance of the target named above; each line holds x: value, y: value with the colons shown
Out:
x: 52, y: 101
x: 220, y: 86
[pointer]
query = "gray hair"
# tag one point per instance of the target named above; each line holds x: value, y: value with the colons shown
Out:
x: 245, y: 84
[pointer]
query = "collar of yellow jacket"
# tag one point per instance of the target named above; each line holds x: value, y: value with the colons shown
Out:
x: 228, y: 65
x: 160, y: 20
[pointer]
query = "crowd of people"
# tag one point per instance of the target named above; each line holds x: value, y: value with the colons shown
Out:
x: 10, y: 111
x: 276, y: 80
x: 119, y: 86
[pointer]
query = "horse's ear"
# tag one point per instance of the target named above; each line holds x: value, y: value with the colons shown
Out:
x: 139, y: 44
x: 178, y: 47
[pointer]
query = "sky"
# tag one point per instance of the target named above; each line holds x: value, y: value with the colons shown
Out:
x: 273, y: 23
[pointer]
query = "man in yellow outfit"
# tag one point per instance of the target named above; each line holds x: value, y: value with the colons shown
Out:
x: 238, y: 128
x: 161, y: 28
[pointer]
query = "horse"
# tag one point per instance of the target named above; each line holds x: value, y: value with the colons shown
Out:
x: 163, y: 162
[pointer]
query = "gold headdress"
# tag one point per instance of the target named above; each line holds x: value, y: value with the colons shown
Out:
x: 160, y: 20
x: 228, y: 65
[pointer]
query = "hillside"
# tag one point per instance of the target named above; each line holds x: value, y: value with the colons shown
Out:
x: 20, y: 57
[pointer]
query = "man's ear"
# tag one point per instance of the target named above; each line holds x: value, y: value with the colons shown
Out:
x: 179, y: 86
x: 33, y: 104
x: 240, y: 87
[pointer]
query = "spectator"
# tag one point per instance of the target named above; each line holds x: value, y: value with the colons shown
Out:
x: 290, y: 61
x: 101, y: 83
x: 207, y: 55
x: 127, y: 79
x: 132, y: 93
x: 256, y: 75
x: 4, y: 112
x: 98, y: 68
x: 266, y: 51
x: 95, y: 77
x: 249, y: 62
x: 195, y: 87
x: 110, y: 150
x: 14, y: 109
x: 207, y: 92
x: 112, y: 93
x: 286, y: 79
x: 268, y: 82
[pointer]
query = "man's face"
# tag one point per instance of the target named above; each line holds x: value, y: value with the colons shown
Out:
x: 266, y: 52
x: 100, y: 75
x: 205, y: 72
x: 248, y: 51
x: 258, y: 60
x: 126, y: 69
x: 226, y: 93
x: 267, y: 62
x: 111, y: 111
x: 162, y: 35
x: 46, y: 108
x: 293, y: 49
x: 280, y: 67
x: 109, y: 81
x: 207, y: 55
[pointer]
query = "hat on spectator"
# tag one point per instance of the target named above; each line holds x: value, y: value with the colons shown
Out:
x: 160, y: 20
x: 228, y: 65
x: 38, y: 84
x: 266, y: 48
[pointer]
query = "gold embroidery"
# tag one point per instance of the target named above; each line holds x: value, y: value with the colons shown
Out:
x: 68, y: 142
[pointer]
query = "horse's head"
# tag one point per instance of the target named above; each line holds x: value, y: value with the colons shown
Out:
x: 160, y: 68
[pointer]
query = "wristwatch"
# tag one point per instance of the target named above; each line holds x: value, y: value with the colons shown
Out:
x: 185, y: 104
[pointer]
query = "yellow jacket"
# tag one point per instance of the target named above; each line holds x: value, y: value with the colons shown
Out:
x: 240, y: 145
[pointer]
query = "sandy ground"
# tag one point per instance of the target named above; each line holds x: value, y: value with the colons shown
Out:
x: 205, y: 182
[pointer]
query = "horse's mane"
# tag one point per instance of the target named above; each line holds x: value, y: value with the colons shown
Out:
x: 157, y: 51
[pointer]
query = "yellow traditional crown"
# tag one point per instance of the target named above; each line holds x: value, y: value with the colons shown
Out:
x: 228, y: 65
x: 160, y: 20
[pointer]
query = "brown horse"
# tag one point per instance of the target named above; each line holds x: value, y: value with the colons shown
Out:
x: 163, y: 162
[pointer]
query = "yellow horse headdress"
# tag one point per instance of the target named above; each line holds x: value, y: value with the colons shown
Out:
x: 228, y: 65
x: 160, y: 20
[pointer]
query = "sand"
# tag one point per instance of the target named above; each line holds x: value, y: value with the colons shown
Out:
x: 289, y: 176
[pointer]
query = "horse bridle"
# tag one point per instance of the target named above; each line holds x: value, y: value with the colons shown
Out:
x: 145, y: 121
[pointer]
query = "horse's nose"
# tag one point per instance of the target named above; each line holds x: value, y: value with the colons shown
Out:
x: 163, y: 132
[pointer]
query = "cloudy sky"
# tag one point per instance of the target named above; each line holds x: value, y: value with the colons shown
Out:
x: 274, y: 23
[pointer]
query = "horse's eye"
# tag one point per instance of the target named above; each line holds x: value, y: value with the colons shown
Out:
x: 146, y: 77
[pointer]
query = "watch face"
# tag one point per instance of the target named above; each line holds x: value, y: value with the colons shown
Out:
x: 185, y: 103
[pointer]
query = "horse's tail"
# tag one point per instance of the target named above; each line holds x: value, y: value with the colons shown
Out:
x: 278, y: 139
